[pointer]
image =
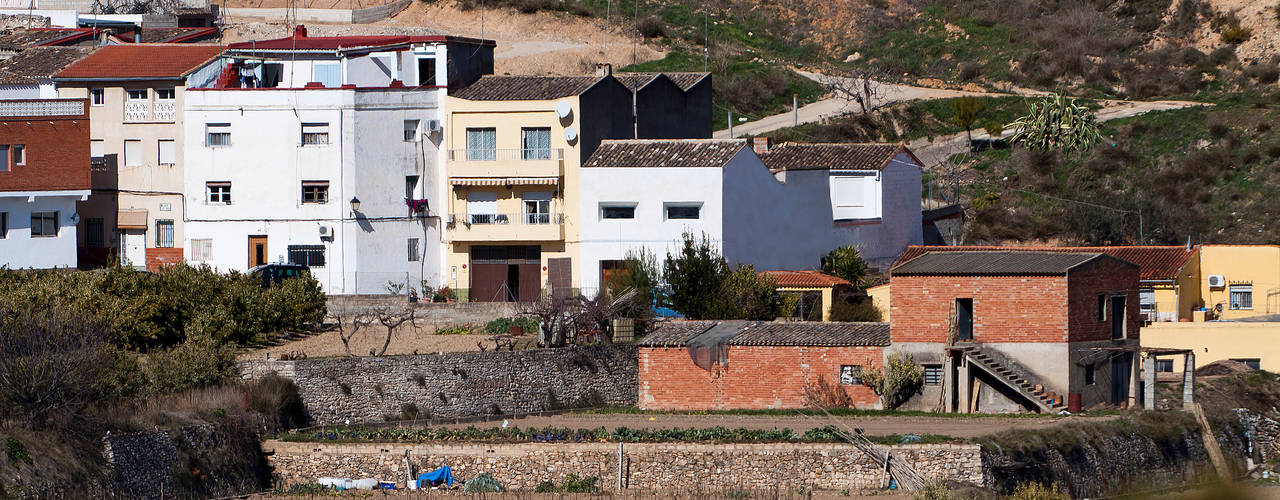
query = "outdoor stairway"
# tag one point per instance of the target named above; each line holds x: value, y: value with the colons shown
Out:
x: 1041, y: 399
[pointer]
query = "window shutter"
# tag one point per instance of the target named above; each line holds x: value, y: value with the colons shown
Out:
x: 167, y: 154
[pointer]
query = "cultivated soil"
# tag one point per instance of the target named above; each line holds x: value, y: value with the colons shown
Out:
x: 959, y: 427
x: 407, y: 340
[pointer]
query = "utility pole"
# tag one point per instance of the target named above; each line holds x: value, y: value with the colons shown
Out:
x: 795, y: 111
x: 730, y: 124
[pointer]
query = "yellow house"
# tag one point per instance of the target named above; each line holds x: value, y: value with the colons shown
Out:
x: 514, y: 145
x: 880, y: 299
x: 809, y: 283
x: 1240, y: 281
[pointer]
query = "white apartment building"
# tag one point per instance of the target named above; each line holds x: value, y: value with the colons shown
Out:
x: 325, y: 151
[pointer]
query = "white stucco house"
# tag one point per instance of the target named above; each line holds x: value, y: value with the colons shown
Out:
x: 779, y: 210
x: 325, y: 151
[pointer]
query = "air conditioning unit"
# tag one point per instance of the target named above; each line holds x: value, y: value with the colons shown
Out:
x: 1217, y: 281
x: 433, y: 125
x: 325, y: 231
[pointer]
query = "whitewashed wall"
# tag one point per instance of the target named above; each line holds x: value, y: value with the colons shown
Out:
x: 19, y: 250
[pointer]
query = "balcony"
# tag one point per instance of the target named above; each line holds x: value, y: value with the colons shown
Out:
x: 506, y: 227
x: 542, y: 162
x: 143, y: 111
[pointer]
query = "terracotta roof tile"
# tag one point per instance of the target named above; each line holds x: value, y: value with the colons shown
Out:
x: 619, y: 153
x: 829, y: 156
x: 526, y: 88
x: 16, y: 38
x: 1005, y: 263
x: 43, y: 62
x: 805, y: 279
x: 774, y: 333
x: 7, y: 78
x: 1154, y: 262
x: 142, y: 61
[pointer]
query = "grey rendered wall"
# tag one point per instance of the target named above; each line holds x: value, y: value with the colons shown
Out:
x: 664, y: 112
x: 773, y: 225
x: 467, y: 63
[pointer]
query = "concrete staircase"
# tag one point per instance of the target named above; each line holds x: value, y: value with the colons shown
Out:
x: 1047, y: 402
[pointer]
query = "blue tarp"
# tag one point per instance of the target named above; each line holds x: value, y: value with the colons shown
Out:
x: 436, y: 477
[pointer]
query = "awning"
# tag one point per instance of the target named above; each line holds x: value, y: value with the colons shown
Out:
x: 504, y: 181
x: 135, y: 218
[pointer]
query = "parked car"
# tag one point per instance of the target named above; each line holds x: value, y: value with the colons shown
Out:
x: 275, y: 273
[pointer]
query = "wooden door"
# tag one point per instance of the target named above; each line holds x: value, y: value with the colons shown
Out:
x: 487, y: 282
x: 1121, y: 366
x: 257, y: 250
x: 529, y: 288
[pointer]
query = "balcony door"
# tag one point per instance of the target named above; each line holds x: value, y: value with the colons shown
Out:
x: 482, y: 207
x: 537, y: 208
x: 535, y: 143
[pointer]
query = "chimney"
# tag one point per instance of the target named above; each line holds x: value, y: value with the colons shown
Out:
x: 604, y: 69
x: 760, y: 145
x: 300, y: 31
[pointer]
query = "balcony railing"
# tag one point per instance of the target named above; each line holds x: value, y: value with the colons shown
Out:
x: 518, y: 154
x: 144, y: 111
x: 506, y: 219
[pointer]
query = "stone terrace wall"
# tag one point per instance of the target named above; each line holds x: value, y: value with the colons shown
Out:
x: 141, y: 463
x: 366, y: 390
x: 647, y: 465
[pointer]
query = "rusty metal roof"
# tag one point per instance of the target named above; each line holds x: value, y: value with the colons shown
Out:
x: 1154, y: 262
x: 1006, y: 263
x: 665, y: 153
x: 774, y: 333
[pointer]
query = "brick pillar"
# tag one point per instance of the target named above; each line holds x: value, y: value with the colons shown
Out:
x: 1189, y: 381
x: 1149, y: 383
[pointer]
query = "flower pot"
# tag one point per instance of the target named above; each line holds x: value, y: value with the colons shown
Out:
x: 517, y: 330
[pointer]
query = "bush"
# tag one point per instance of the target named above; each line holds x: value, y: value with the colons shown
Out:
x: 198, y: 362
x: 1035, y: 491
x: 703, y: 286
x: 276, y: 398
x: 575, y: 484
x: 652, y: 27
x: 845, y: 262
x: 861, y: 309
x: 895, y: 384
x: 503, y: 325
x: 484, y: 483
x: 1235, y: 34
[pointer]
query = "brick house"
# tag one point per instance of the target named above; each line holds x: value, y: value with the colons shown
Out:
x: 720, y: 365
x: 1018, y: 330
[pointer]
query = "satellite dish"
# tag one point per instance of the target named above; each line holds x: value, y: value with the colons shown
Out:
x: 563, y: 108
x: 570, y: 134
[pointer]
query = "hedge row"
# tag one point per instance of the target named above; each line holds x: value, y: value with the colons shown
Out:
x: 827, y: 434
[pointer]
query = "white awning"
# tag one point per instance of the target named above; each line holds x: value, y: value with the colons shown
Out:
x: 504, y: 181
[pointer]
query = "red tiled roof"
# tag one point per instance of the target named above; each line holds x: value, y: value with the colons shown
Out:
x: 805, y: 279
x: 142, y: 61
x: 1154, y: 262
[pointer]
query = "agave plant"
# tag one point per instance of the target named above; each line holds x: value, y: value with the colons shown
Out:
x: 1057, y: 122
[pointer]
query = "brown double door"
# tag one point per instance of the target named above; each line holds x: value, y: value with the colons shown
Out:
x: 257, y: 250
x: 510, y: 273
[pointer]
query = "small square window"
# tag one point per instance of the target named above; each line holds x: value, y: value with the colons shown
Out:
x: 316, y: 192
x: 97, y: 97
x: 617, y: 211
x: 1241, y: 297
x: 164, y: 233
x: 218, y: 192
x: 1164, y: 365
x: 850, y: 374
x: 137, y: 94
x: 315, y: 134
x: 164, y: 94
x: 44, y: 224
x: 414, y: 254
x: 19, y: 154
x: 217, y: 134
x: 683, y: 211
x: 411, y: 130
x: 932, y: 374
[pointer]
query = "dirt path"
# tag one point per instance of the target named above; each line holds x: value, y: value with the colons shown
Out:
x: 421, y: 340
x: 961, y: 427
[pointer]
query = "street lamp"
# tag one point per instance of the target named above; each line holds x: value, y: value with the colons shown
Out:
x: 355, y: 205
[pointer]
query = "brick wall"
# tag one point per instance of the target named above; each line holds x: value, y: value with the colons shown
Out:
x: 56, y: 153
x: 160, y: 257
x: 1109, y: 277
x: 1005, y: 308
x: 756, y: 377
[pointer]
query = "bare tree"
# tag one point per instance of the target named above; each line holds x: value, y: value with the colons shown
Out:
x: 860, y: 86
x: 351, y: 320
x: 392, y: 318
x: 53, y: 362
x: 565, y: 318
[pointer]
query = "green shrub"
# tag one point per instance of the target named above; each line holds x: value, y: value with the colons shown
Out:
x: 546, y: 487
x: 857, y: 310
x: 575, y: 484
x: 17, y: 452
x: 652, y: 27
x: 1035, y: 491
x: 199, y: 362
x: 704, y: 287
x: 503, y: 325
x: 455, y: 330
x: 895, y: 384
x: 846, y: 263
x: 484, y: 483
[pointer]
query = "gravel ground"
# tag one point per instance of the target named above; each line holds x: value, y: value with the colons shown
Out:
x: 960, y: 427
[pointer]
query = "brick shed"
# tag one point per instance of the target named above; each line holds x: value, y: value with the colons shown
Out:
x: 1018, y: 330
x: 755, y: 365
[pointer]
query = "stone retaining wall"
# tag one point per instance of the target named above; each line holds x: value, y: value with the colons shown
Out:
x: 336, y: 16
x: 649, y: 466
x: 376, y: 389
x: 140, y: 464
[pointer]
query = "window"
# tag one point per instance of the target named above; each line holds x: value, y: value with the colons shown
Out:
x: 410, y: 187
x: 426, y: 71
x: 1090, y: 374
x: 482, y: 144
x: 537, y: 208
x: 307, y: 255
x: 535, y: 143
x: 1164, y: 365
x: 4, y: 225
x: 166, y: 152
x: 315, y: 134
x: 19, y: 154
x: 411, y: 130
x: 1252, y: 363
x: 482, y: 207
x: 44, y: 224
x: 315, y: 192
x: 94, y: 238
x: 164, y: 94
x: 97, y: 148
x: 1242, y: 296
x: 617, y: 211
x: 850, y: 374
x: 217, y: 134
x: 4, y: 157
x: 97, y: 97
x: 137, y: 94
x: 218, y: 192
x: 683, y: 211
x: 132, y: 153
x: 1102, y: 307
x: 202, y: 249
x: 853, y: 195
x: 164, y: 233
x: 932, y: 374
x: 413, y: 250
x: 1147, y: 299
x: 328, y: 74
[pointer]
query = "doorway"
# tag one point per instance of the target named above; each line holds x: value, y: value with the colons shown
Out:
x: 964, y: 319
x: 133, y: 248
x: 506, y: 273
x: 426, y: 71
x: 257, y: 250
x: 1117, y: 318
x: 1121, y: 370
